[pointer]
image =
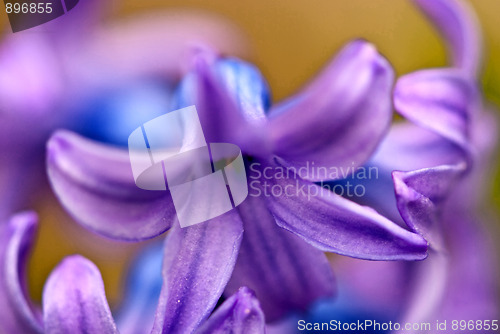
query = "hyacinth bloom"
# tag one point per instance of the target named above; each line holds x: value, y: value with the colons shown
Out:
x: 74, y: 299
x: 271, y: 244
x: 433, y: 162
x: 46, y: 92
x: 444, y: 150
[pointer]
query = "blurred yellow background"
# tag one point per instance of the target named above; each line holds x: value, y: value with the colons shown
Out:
x: 290, y: 41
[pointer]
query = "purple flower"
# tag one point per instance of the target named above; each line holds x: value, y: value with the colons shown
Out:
x: 74, y: 299
x: 74, y: 62
x: 439, y: 177
x: 251, y: 246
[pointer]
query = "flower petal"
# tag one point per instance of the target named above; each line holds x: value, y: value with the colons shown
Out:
x: 208, y: 87
x: 335, y: 224
x: 440, y: 100
x: 239, y: 314
x: 198, y: 262
x: 458, y: 25
x: 136, y: 314
x: 340, y: 118
x: 74, y: 300
x: 95, y: 184
x: 286, y: 273
x: 420, y: 195
x: 17, y: 313
x: 247, y: 84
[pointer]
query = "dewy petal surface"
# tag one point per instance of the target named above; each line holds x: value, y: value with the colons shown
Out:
x: 17, y: 314
x: 286, y: 273
x: 74, y: 300
x: 198, y: 262
x: 458, y: 25
x: 239, y: 314
x: 335, y: 224
x: 94, y: 182
x: 339, y: 118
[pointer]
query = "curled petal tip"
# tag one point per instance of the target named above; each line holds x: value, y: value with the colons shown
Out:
x: 458, y: 25
x: 325, y: 123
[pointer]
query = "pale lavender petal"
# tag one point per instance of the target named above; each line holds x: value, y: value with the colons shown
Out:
x: 458, y: 25
x: 159, y: 43
x: 95, y: 184
x: 17, y: 313
x: 409, y: 147
x: 340, y: 118
x: 198, y: 262
x: 74, y: 300
x: 472, y: 289
x: 420, y: 196
x: 440, y: 100
x: 286, y: 273
x: 335, y: 224
x: 239, y: 314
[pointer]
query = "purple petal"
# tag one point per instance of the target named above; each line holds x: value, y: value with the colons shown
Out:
x: 137, y: 310
x: 409, y: 147
x: 198, y: 262
x: 239, y: 314
x: 286, y: 273
x: 440, y: 100
x: 74, y: 300
x: 17, y: 313
x: 220, y: 115
x: 95, y: 184
x: 458, y: 25
x: 420, y: 195
x: 472, y: 290
x: 335, y: 224
x: 340, y: 118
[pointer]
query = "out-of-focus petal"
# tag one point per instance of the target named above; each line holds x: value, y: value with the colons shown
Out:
x: 440, y: 100
x: 218, y: 106
x: 335, y: 224
x: 17, y: 313
x: 458, y: 25
x: 472, y: 290
x: 326, y: 124
x: 95, y: 184
x: 247, y: 85
x: 286, y: 273
x: 74, y: 300
x: 158, y: 44
x: 198, y: 262
x: 409, y: 147
x: 239, y: 314
x: 420, y: 195
x: 136, y: 314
